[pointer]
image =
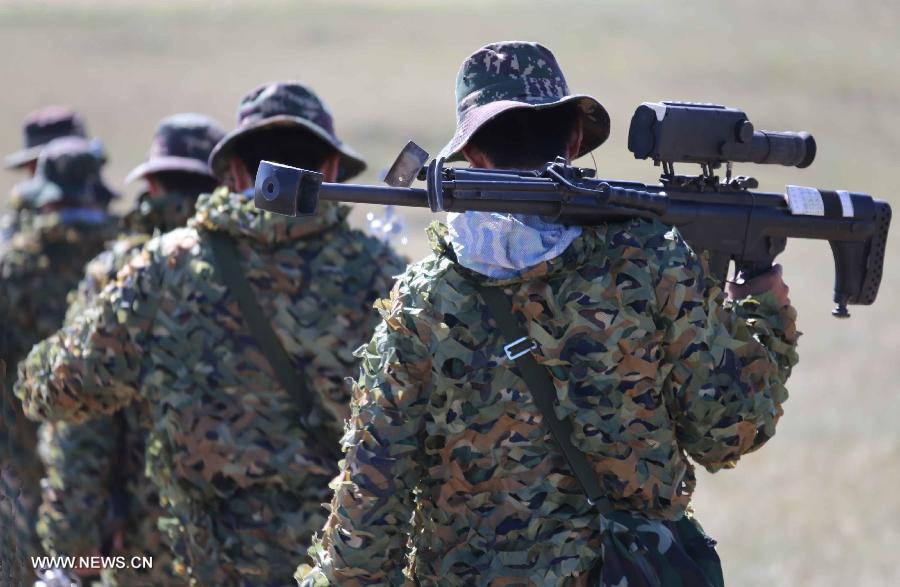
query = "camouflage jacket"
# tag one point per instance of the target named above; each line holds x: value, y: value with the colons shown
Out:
x: 39, y: 265
x: 241, y: 478
x: 450, y: 477
x: 96, y: 493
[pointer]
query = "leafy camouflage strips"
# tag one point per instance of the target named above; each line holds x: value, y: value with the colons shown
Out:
x: 450, y: 476
x: 39, y: 265
x: 97, y: 465
x: 240, y: 480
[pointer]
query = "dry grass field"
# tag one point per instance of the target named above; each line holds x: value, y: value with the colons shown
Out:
x: 820, y: 505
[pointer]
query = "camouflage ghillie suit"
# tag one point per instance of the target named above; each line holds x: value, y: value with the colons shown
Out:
x: 95, y: 496
x: 241, y: 478
x: 95, y: 493
x: 118, y: 513
x: 446, y: 448
x: 451, y: 477
x: 95, y: 469
x: 38, y: 268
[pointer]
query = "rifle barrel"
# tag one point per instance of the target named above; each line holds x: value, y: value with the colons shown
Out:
x: 380, y: 195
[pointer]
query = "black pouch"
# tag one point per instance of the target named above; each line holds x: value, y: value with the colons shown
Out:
x: 642, y: 552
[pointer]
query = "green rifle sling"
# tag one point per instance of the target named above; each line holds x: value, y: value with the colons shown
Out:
x: 227, y: 263
x: 537, y: 378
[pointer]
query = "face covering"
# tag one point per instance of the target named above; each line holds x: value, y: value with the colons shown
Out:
x: 504, y: 246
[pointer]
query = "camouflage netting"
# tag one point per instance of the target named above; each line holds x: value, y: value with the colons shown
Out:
x: 96, y: 497
x: 240, y: 477
x: 450, y: 478
x: 38, y: 267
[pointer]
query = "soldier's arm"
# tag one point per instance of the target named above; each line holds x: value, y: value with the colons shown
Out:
x: 78, y: 459
x: 727, y: 361
x: 364, y: 540
x: 92, y: 365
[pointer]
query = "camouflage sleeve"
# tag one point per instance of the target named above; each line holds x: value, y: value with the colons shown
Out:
x: 364, y: 540
x: 727, y: 362
x: 78, y: 460
x: 93, y: 364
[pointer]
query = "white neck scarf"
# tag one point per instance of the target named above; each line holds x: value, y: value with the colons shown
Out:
x: 504, y: 246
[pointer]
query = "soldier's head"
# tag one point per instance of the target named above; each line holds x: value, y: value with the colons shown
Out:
x: 41, y: 127
x: 285, y: 123
x: 178, y: 162
x: 68, y: 176
x: 514, y: 110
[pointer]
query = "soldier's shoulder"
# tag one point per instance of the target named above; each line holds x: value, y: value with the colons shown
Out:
x: 434, y: 274
x: 176, y: 245
x: 116, y: 253
x: 128, y: 242
x: 164, y: 255
x: 421, y: 281
x: 357, y: 243
x: 660, y: 243
x: 641, y: 232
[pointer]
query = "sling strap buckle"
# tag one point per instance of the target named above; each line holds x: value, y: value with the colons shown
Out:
x: 540, y: 384
x: 525, y: 344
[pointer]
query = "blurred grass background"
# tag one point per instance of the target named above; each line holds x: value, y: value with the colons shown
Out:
x: 820, y: 505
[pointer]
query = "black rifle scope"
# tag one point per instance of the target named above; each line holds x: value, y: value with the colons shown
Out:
x: 684, y: 132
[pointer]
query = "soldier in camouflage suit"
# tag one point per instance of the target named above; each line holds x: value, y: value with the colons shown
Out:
x: 241, y: 477
x: 96, y: 498
x: 38, y: 267
x: 450, y: 476
x: 41, y: 127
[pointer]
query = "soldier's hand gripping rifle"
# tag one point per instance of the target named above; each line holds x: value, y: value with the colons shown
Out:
x: 721, y: 216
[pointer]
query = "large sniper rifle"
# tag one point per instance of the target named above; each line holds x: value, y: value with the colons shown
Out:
x: 719, y: 215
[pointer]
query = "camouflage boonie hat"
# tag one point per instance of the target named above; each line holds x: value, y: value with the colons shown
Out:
x: 68, y: 170
x: 182, y: 142
x: 41, y: 127
x: 513, y: 74
x: 285, y: 105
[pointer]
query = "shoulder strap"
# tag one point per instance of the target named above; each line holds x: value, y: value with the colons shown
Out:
x: 118, y: 502
x: 225, y: 251
x: 519, y: 349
